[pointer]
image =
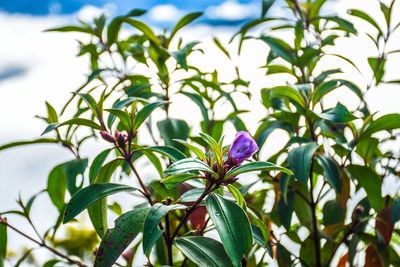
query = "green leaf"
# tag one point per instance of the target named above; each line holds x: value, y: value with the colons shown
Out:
x: 198, y: 100
x: 182, y: 23
x: 72, y: 29
x: 378, y: 67
x: 51, y: 113
x: 256, y: 166
x: 339, y: 114
x: 333, y: 213
x: 174, y: 180
x: 203, y: 251
x: 189, y: 165
x: 193, y: 148
x: 343, y: 25
x: 387, y: 122
x: 97, y: 163
x: 331, y: 172
x: 371, y: 182
x: 168, y: 151
x: 146, y: 30
x: 266, y: 5
x: 3, y: 243
x: 232, y: 225
x: 74, y: 121
x: 238, y: 196
x: 123, y: 117
x: 151, y: 232
x: 72, y: 169
x: 395, y: 217
x: 285, y: 210
x: 288, y: 92
x: 144, y: 113
x: 323, y: 89
x: 91, y: 102
x: 221, y: 47
x: 171, y: 129
x: 24, y: 143
x: 362, y: 15
x: 115, y: 25
x: 280, y: 48
x: 191, y: 195
x: 300, y: 159
x: 57, y: 186
x: 117, y: 239
x: 88, y: 195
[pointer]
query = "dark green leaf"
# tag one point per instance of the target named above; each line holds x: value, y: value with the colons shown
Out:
x: 256, y: 166
x: 280, y: 48
x: 171, y: 129
x: 232, y: 225
x: 144, y: 113
x: 395, y: 217
x: 221, y: 47
x: 203, y: 251
x: 266, y: 5
x: 97, y: 163
x: 333, y: 213
x: 285, y: 210
x: 88, y: 195
x: 300, y: 159
x: 117, y: 239
x: 288, y: 92
x: 3, y: 243
x: 323, y: 89
x: 339, y: 114
x: 57, y: 186
x: 331, y: 172
x: 123, y: 117
x: 151, y: 232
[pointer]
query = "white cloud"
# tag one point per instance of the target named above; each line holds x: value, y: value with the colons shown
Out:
x: 232, y: 10
x: 165, y: 13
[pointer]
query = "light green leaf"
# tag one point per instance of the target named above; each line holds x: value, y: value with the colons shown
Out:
x: 191, y: 195
x: 387, y: 122
x: 371, y: 182
x: 256, y: 166
x: 288, y: 92
x: 174, y: 180
x: 168, y: 151
x: 189, y: 165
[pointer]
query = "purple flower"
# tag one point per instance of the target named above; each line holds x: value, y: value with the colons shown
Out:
x: 243, y: 147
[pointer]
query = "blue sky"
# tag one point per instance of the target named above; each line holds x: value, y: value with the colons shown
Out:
x: 44, y: 7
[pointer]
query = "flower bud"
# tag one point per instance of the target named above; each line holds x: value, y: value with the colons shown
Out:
x: 121, y: 138
x: 106, y: 136
x: 357, y: 213
x: 243, y: 147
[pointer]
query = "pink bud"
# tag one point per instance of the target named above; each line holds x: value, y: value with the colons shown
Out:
x: 106, y: 136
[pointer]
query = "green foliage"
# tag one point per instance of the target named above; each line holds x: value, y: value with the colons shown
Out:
x: 302, y: 192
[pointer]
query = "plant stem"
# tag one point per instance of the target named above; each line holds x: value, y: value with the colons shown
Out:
x: 314, y: 220
x: 146, y: 192
x: 182, y: 222
x: 43, y: 244
x: 168, y: 240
